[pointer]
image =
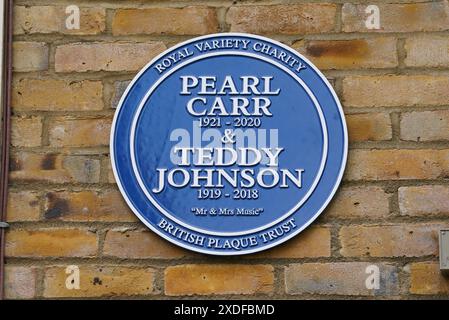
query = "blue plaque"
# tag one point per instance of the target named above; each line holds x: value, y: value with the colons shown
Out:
x: 229, y: 144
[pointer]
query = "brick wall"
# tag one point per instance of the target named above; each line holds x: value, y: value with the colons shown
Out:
x: 65, y: 208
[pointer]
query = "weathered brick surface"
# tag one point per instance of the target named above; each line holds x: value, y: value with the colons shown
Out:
x: 54, y: 168
x: 426, y: 278
x: 140, y: 245
x: 395, y: 91
x: 427, y: 51
x: 398, y: 17
x: 30, y: 56
x: 110, y: 172
x: 312, y: 243
x: 100, y: 281
x: 20, y: 282
x: 392, y: 164
x: 26, y: 131
x: 51, y: 242
x: 23, y: 206
x: 408, y: 240
x: 359, y: 203
x: 283, y: 19
x: 177, y: 21
x: 119, y: 90
x: 75, y: 132
x: 351, y: 54
x: 81, y: 57
x: 87, y: 205
x: 52, y: 19
x: 424, y: 200
x: 425, y: 125
x: 57, y: 95
x: 344, y: 278
x: 369, y: 127
x: 218, y: 279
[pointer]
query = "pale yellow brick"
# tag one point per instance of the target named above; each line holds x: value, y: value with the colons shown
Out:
x: 87, y: 205
x: 218, y: 279
x: 71, y: 132
x: 127, y: 244
x: 54, y: 168
x: 23, y: 206
x: 119, y: 90
x: 398, y: 17
x: 176, y: 21
x: 341, y: 278
x: 30, y: 56
x: 400, y: 240
x: 395, y: 91
x: 425, y: 125
x: 424, y: 200
x: 26, y: 131
x: 283, y: 19
x: 100, y: 281
x: 20, y: 282
x: 52, y: 19
x: 57, y: 95
x: 393, y: 164
x: 311, y: 243
x: 427, y: 51
x: 366, y: 202
x: 81, y: 57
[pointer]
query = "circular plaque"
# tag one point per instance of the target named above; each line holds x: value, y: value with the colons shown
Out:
x: 228, y: 144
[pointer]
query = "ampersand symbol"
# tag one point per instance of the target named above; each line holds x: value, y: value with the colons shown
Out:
x: 229, y: 136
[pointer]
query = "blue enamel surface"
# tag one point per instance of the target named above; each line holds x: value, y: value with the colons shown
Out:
x: 294, y: 116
